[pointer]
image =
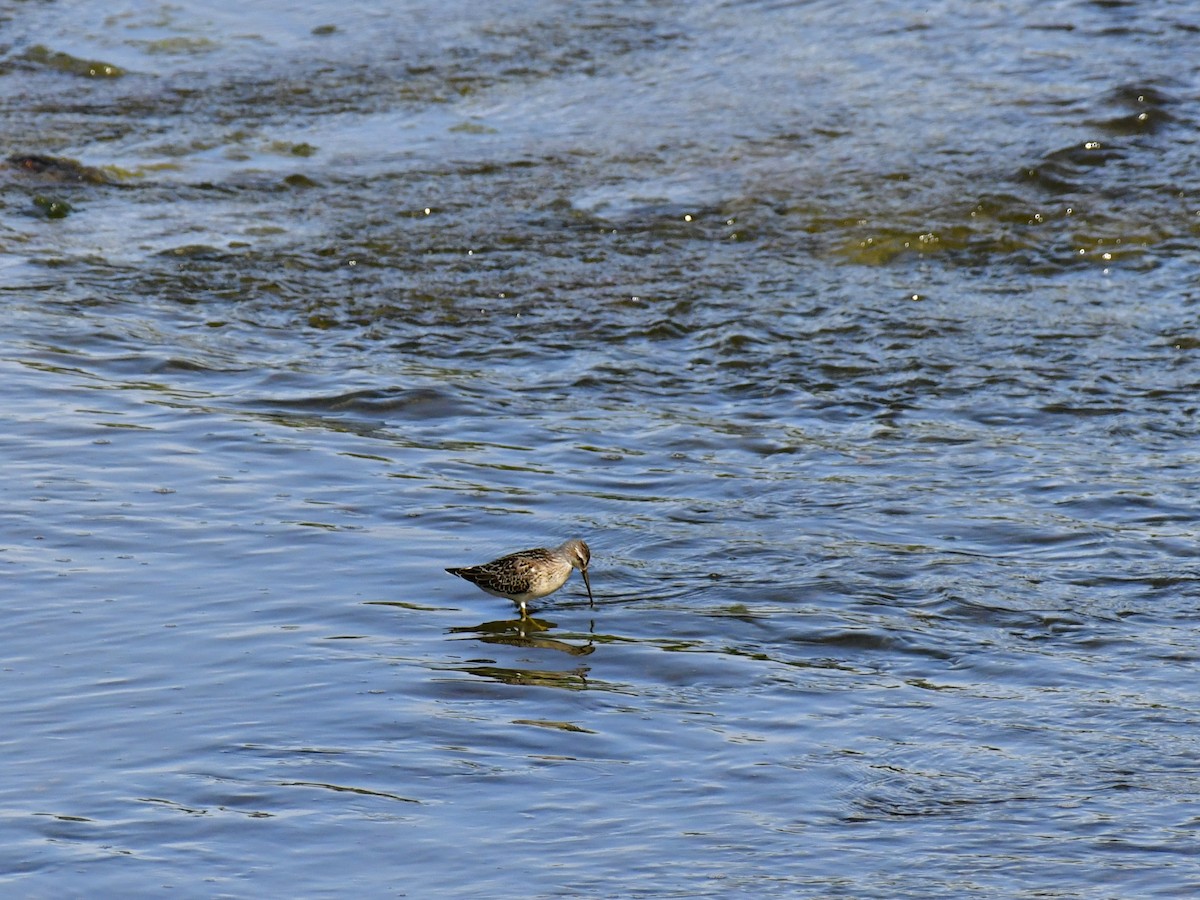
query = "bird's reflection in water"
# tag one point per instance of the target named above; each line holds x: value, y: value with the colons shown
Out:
x: 529, y: 632
x: 574, y: 680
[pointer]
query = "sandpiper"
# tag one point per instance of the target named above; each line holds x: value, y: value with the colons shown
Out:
x: 530, y: 574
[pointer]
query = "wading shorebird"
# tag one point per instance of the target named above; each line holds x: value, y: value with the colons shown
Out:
x: 530, y: 574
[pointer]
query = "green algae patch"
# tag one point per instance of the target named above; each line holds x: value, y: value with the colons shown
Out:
x: 71, y: 65
x: 1112, y: 248
x: 52, y: 207
x: 472, y: 128
x: 287, y: 148
x: 194, y: 251
x: 177, y: 46
x: 885, y: 245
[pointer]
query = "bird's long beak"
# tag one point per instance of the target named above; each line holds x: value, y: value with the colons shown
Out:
x: 588, y: 584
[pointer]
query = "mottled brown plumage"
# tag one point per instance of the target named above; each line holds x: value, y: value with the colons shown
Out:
x: 530, y: 574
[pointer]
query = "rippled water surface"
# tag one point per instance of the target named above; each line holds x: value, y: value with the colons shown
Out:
x: 859, y: 342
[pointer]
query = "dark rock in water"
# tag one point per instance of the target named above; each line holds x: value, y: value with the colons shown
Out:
x: 58, y: 168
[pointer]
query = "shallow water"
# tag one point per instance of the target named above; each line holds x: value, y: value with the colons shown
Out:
x: 862, y: 350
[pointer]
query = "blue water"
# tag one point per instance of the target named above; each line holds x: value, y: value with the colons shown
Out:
x: 859, y: 344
